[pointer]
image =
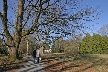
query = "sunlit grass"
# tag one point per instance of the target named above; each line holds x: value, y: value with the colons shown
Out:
x: 95, y: 62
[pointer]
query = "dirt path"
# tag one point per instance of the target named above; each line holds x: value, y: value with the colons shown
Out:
x: 29, y: 66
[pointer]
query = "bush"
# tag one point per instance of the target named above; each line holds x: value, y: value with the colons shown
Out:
x: 3, y: 50
x: 95, y: 44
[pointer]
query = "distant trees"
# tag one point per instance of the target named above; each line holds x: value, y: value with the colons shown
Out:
x: 94, y: 44
x: 46, y: 46
x: 31, y: 44
x: 103, y: 30
x: 57, y: 46
x: 69, y: 47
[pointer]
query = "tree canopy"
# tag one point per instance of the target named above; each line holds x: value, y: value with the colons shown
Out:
x: 43, y: 17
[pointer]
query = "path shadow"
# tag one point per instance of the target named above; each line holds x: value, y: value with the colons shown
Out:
x: 45, y: 68
x: 10, y: 66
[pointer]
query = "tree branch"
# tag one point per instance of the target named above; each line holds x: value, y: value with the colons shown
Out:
x: 29, y: 11
x: 28, y: 17
x: 4, y: 20
x: 2, y: 34
x: 1, y: 15
x: 20, y: 15
x: 49, y: 4
x: 33, y: 27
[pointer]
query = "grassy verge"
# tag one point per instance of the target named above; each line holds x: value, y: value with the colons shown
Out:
x: 77, y: 63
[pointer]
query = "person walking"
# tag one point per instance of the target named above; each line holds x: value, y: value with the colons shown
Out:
x: 34, y: 56
x: 37, y: 54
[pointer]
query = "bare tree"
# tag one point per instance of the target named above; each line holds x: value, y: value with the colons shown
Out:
x: 104, y: 30
x: 43, y: 17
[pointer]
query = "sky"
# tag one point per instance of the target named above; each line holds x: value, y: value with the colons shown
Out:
x: 103, y: 4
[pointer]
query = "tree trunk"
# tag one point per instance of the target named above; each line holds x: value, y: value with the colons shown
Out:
x: 13, y: 46
x: 41, y: 50
x: 12, y: 52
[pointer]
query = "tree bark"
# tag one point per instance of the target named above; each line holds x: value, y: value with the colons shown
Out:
x: 41, y: 50
x: 12, y: 52
x: 14, y: 45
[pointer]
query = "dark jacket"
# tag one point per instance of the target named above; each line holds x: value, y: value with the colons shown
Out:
x: 34, y: 53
